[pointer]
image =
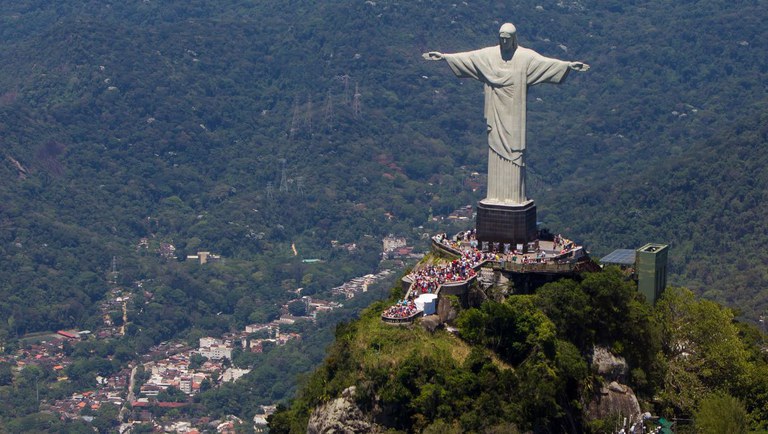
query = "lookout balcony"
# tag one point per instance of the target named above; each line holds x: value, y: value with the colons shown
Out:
x: 549, y: 259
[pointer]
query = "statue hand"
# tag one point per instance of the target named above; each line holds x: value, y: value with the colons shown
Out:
x: 579, y: 66
x: 433, y: 55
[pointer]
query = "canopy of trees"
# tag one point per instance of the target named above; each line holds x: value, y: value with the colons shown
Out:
x: 525, y: 363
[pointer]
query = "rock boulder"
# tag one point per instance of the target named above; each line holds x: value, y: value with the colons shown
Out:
x: 341, y: 415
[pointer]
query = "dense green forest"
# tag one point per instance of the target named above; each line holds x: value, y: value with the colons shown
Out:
x: 242, y: 128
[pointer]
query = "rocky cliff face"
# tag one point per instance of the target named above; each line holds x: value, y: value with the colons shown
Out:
x: 612, y: 398
x: 609, y: 366
x: 341, y: 415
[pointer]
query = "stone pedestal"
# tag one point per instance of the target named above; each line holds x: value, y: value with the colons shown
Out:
x: 506, y: 223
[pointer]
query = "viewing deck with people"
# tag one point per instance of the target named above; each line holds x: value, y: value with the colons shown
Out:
x: 403, y: 311
x: 555, y: 255
x: 558, y: 255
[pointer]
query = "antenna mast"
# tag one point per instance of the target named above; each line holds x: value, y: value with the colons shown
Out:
x: 283, y: 177
x: 356, y: 103
x: 308, y: 114
x: 345, y: 80
x: 295, y: 120
x: 113, y: 271
x: 328, y: 112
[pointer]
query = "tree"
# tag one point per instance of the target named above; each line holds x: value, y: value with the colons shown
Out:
x: 196, y: 360
x: 6, y: 374
x: 703, y: 349
x: 570, y: 309
x: 297, y: 308
x: 721, y: 413
x: 172, y: 394
x: 106, y: 418
x: 512, y: 329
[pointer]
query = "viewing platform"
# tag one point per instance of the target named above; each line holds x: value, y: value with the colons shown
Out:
x: 404, y: 312
x: 558, y: 256
x: 426, y: 282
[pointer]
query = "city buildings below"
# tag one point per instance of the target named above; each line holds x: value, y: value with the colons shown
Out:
x: 233, y: 374
x: 141, y: 388
x: 349, y: 247
x: 462, y: 214
x: 215, y: 349
x: 204, y: 257
x: 397, y: 248
x: 359, y: 284
x: 167, y: 251
x: 260, y: 424
x: 392, y: 242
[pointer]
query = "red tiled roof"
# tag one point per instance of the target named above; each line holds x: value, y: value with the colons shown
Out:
x: 171, y: 404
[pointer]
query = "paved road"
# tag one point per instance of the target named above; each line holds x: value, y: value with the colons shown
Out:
x: 131, y: 397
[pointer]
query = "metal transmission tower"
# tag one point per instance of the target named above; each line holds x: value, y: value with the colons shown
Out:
x: 345, y: 80
x: 300, y: 185
x: 308, y: 115
x: 270, y: 191
x: 356, y: 103
x: 328, y: 111
x: 294, y: 129
x: 283, y: 177
x: 113, y: 271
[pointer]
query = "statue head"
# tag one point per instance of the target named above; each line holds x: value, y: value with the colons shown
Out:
x: 508, y: 37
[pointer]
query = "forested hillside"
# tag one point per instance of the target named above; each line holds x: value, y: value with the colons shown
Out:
x: 525, y: 364
x: 243, y: 128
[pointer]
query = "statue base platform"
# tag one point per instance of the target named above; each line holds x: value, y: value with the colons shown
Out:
x: 511, y: 224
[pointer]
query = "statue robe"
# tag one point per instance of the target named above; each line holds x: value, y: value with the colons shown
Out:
x: 506, y: 84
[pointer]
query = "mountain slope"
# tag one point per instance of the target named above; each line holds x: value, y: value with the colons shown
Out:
x: 244, y: 128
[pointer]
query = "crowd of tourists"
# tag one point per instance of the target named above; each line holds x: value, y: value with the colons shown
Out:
x: 466, y: 242
x: 428, y: 279
x: 403, y: 309
x: 563, y: 244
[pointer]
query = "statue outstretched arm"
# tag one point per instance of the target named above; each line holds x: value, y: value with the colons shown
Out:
x: 579, y: 66
x: 433, y: 55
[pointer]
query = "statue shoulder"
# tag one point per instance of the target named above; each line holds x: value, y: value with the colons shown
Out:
x: 526, y: 52
x: 481, y: 51
x: 494, y: 49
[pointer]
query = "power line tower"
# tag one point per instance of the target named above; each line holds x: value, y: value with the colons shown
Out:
x: 345, y: 80
x: 294, y: 129
x: 300, y: 185
x: 356, y: 109
x: 283, y: 177
x: 113, y: 271
x: 308, y: 115
x: 270, y: 191
x: 328, y: 111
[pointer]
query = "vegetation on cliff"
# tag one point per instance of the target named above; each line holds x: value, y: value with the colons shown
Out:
x: 525, y: 362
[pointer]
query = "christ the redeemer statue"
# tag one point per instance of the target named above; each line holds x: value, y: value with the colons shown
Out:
x: 506, y: 71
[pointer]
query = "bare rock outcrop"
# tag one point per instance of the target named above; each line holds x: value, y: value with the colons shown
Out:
x: 430, y: 323
x: 608, y: 365
x: 612, y: 398
x: 341, y: 415
x: 446, y: 311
